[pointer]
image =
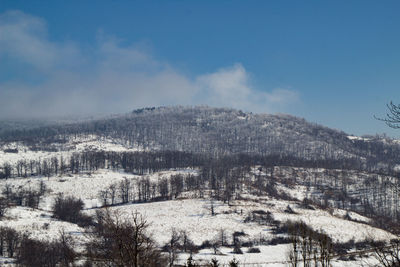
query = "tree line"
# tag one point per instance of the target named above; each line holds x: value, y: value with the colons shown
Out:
x: 149, y: 162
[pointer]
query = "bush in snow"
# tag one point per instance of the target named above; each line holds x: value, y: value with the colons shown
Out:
x: 69, y: 209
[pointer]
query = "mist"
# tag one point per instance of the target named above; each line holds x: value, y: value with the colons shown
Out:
x: 44, y: 78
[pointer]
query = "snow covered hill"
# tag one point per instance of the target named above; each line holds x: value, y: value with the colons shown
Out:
x: 232, y: 184
x: 191, y: 214
x: 216, y: 131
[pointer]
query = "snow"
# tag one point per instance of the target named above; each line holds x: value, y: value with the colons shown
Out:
x: 190, y: 215
x: 352, y: 137
x: 106, y: 144
x: 193, y: 216
x: 74, y: 144
x: 85, y: 186
x: 338, y: 229
x: 38, y: 224
x: 269, y: 255
x: 396, y: 168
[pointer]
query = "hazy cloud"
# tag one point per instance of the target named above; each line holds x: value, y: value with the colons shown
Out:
x: 24, y: 37
x: 232, y: 87
x: 112, y: 78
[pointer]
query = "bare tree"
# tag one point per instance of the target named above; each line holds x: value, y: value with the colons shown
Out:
x: 113, y: 192
x: 216, y: 244
x: 163, y: 188
x: 103, y: 196
x: 176, y: 182
x: 187, y: 243
x: 124, y: 190
x: 3, y: 206
x: 211, y: 208
x: 172, y: 247
x: 222, y: 237
x: 7, y: 169
x: 388, y: 255
x: 7, y: 190
x: 122, y: 241
x: 41, y: 253
x: 12, y: 239
x: 42, y: 188
x: 392, y: 116
x: 308, y: 245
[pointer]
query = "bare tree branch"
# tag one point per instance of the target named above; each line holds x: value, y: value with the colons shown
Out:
x: 393, y: 116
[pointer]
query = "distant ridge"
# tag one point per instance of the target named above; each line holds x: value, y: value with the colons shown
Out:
x: 221, y: 131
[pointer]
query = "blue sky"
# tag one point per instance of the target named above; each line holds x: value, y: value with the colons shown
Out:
x: 336, y: 63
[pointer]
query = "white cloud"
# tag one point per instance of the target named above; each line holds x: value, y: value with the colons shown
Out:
x: 232, y: 87
x: 113, y: 78
x: 24, y: 37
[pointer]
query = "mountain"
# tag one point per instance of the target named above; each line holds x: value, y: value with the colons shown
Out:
x: 222, y: 131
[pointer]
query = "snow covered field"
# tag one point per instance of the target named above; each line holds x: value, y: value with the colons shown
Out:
x: 38, y: 224
x: 191, y: 215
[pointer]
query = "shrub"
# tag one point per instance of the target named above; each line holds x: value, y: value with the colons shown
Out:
x: 206, y: 244
x: 289, y: 210
x: 253, y: 250
x: 214, y: 263
x: 69, y: 209
x: 279, y: 240
x: 234, y: 263
x: 10, y: 150
x: 247, y: 244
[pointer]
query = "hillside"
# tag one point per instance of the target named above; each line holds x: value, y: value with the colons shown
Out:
x: 211, y: 183
x: 219, y: 131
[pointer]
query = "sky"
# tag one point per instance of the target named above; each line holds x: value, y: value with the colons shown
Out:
x: 335, y: 63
